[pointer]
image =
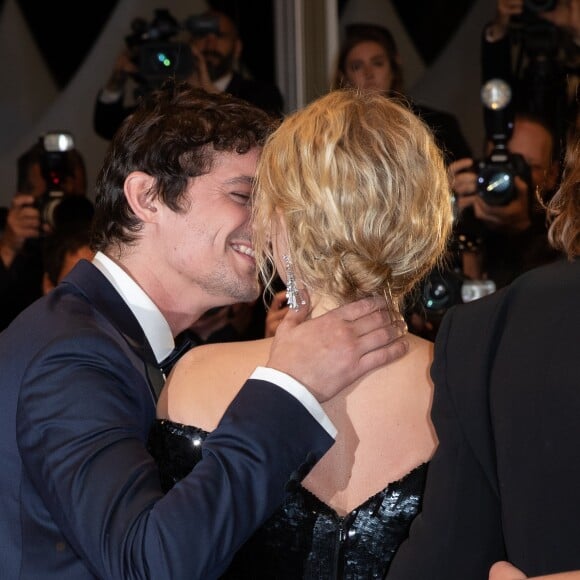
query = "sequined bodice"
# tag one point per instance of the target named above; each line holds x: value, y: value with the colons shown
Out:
x: 305, y: 538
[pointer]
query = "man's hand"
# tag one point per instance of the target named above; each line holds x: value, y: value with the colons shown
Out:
x: 505, y: 10
x: 123, y: 68
x: 463, y: 182
x: 505, y: 571
x: 566, y: 15
x: 22, y: 222
x: 330, y: 352
x: 513, y: 217
x: 200, y: 76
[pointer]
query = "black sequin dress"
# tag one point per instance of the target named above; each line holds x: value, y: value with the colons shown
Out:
x: 305, y: 538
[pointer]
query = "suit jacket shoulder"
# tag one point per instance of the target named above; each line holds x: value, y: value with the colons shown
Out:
x: 264, y: 95
x: 447, y: 131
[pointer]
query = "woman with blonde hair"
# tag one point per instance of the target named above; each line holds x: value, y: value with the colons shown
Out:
x: 351, y: 200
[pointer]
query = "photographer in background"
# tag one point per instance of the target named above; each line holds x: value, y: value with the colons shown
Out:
x: 32, y: 214
x: 216, y: 49
x: 535, y: 46
x: 500, y: 232
x: 510, y: 238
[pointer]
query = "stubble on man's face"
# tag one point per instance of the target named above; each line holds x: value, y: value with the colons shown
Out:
x: 218, y: 258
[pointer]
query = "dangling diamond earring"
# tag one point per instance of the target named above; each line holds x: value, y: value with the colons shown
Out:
x: 292, y: 295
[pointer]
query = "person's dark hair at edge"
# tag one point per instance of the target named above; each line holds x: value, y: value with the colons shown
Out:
x: 172, y: 136
x: 57, y: 246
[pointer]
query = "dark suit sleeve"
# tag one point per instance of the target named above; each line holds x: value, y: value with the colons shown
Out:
x: 83, y: 420
x: 457, y: 536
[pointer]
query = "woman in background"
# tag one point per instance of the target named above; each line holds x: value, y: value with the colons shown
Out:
x: 351, y: 200
x: 369, y: 59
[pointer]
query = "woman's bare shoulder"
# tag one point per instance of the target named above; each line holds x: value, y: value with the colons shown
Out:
x: 207, y: 378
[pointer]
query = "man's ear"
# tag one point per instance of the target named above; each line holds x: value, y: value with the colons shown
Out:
x: 139, y: 193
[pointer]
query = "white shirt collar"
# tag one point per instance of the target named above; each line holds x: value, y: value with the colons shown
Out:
x: 223, y: 82
x: 152, y: 322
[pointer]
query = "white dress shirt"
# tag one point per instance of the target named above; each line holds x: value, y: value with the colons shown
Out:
x: 160, y: 338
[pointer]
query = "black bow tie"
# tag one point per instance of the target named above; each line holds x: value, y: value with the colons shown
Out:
x: 182, y: 344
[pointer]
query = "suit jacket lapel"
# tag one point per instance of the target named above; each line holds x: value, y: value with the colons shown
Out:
x: 90, y: 282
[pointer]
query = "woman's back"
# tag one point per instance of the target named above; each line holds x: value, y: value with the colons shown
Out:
x: 358, y: 501
x: 351, y: 199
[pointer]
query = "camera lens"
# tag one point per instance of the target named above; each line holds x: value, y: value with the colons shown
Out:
x: 164, y: 60
x: 157, y: 61
x: 436, y: 296
x: 441, y: 289
x: 496, y: 185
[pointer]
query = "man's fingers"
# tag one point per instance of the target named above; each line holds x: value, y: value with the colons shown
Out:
x: 384, y: 355
x: 392, y: 326
x: 362, y: 308
x: 378, y: 337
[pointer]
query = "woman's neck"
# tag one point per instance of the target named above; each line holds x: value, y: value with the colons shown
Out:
x: 321, y: 304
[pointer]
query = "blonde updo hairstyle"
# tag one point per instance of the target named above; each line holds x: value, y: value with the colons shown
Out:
x: 364, y: 192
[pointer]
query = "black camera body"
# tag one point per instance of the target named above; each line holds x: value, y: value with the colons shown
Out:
x: 55, y: 166
x: 47, y: 204
x: 445, y: 288
x: 156, y: 55
x: 496, y: 176
x: 201, y: 25
x: 497, y: 172
x: 157, y: 61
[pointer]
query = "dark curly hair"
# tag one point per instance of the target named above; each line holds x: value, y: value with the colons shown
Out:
x: 172, y: 136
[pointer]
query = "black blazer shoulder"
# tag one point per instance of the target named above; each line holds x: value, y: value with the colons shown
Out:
x: 260, y: 93
x: 446, y: 130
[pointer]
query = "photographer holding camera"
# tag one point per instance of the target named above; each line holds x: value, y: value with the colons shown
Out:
x: 529, y: 45
x: 44, y: 180
x: 208, y: 60
x: 535, y: 45
x: 509, y: 237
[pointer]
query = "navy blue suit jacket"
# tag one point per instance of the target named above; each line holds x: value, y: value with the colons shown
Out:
x: 79, y: 494
x: 504, y: 481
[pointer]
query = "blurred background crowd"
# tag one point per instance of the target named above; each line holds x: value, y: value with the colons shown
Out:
x: 504, y: 140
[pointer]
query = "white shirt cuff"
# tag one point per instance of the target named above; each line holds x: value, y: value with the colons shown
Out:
x: 298, y: 391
